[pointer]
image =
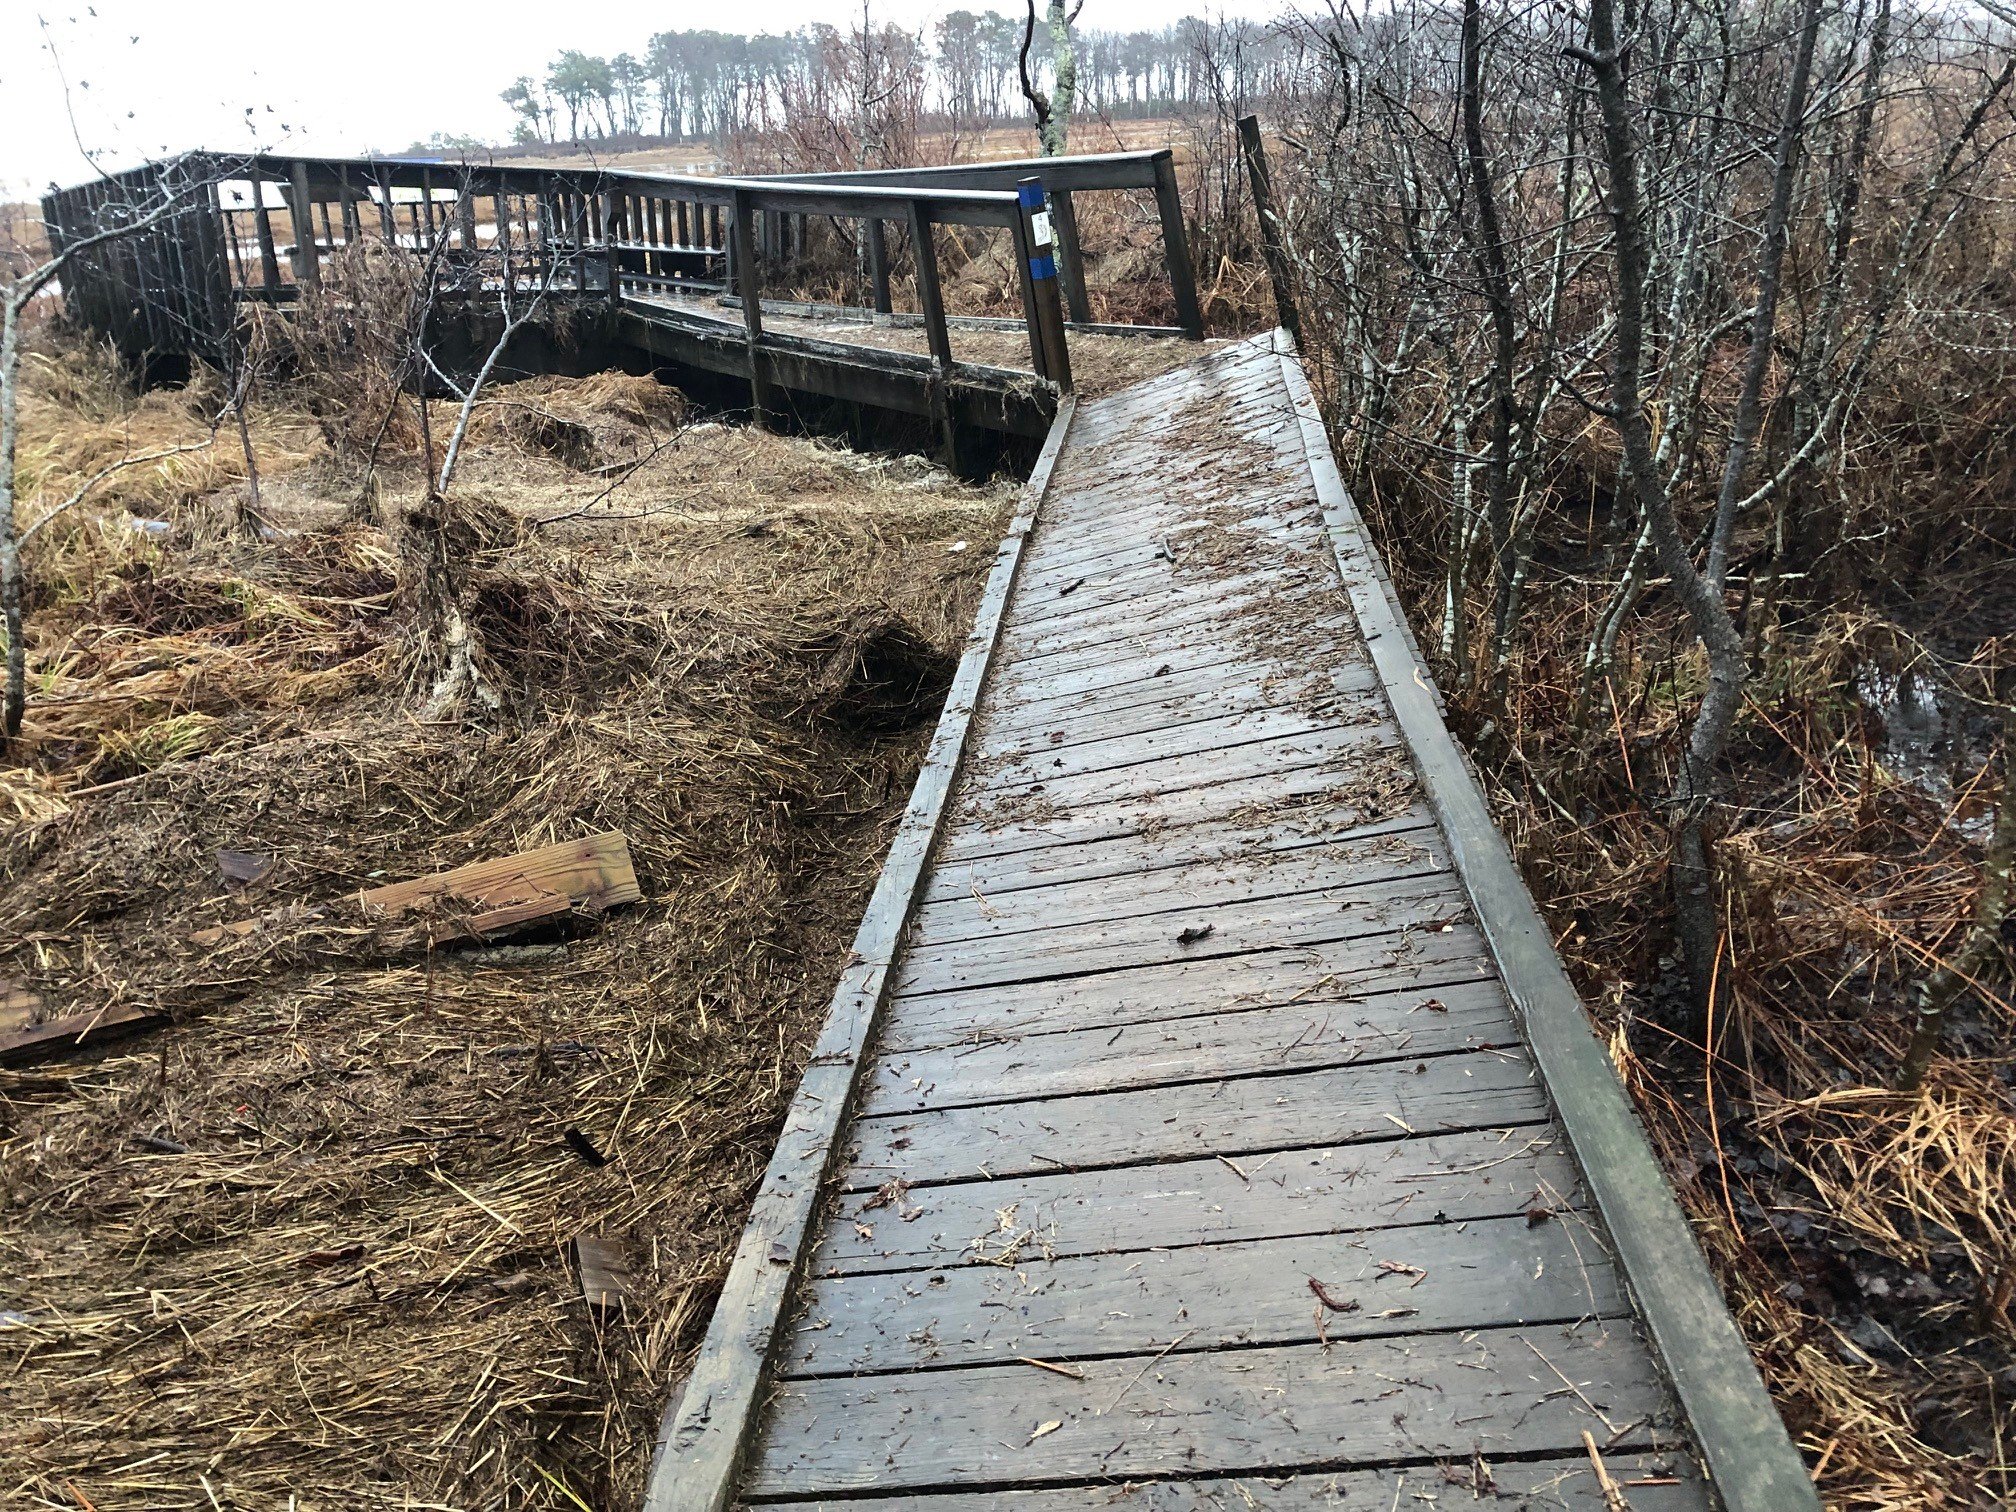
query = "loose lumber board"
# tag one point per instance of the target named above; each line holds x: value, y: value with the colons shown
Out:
x: 25, y: 1037
x: 593, y: 872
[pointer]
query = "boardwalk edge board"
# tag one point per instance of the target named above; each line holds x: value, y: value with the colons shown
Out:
x: 705, y: 1434
x: 1751, y: 1461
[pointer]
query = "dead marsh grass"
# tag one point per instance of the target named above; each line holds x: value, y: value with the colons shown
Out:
x: 311, y: 1240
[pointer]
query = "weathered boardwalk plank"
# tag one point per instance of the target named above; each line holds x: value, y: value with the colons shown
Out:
x: 1203, y: 1152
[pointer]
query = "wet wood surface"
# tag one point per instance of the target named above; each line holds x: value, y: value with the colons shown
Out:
x: 1199, y: 1160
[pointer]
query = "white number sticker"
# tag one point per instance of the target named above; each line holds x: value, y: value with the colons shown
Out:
x: 1040, y: 221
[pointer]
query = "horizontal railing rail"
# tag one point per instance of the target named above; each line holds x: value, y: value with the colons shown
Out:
x: 259, y: 228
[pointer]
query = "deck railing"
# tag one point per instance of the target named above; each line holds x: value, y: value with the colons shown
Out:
x: 260, y: 228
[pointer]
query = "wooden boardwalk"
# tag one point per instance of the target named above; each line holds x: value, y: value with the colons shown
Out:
x: 1205, y: 1121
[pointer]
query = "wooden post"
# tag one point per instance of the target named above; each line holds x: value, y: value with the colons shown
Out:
x: 1273, y: 247
x: 500, y: 209
x: 1176, y: 245
x: 1039, y: 254
x: 307, y: 262
x: 548, y: 220
x: 387, y: 222
x: 1070, y: 261
x: 346, y: 196
x: 878, y: 264
x: 262, y: 220
x: 426, y: 216
x: 749, y: 284
x: 465, y: 213
x: 577, y: 237
x: 931, y: 304
x: 612, y: 226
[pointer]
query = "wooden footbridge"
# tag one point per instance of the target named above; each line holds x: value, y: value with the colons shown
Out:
x: 1203, y: 1118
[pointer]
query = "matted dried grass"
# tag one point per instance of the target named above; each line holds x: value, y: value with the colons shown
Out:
x: 351, y: 1288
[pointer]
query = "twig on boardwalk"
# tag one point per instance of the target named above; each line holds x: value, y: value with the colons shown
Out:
x: 1612, y: 1497
x: 1063, y: 1370
x: 1145, y: 1369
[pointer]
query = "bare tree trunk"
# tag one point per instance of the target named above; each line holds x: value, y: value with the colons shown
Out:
x: 1764, y: 315
x: 1693, y: 800
x: 1487, y: 237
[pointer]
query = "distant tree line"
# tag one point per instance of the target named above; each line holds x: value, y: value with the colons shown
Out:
x: 964, y: 68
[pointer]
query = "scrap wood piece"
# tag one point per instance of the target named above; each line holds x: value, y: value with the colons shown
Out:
x: 485, y: 897
x: 26, y: 1036
x: 605, y: 1279
x: 593, y: 873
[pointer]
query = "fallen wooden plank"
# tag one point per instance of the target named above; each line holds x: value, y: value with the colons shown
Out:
x: 605, y: 1278
x: 23, y: 1040
x: 592, y: 874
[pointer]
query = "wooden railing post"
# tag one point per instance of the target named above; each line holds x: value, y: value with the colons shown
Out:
x: 1070, y: 260
x: 612, y: 224
x: 1041, y: 258
x: 878, y: 264
x: 1176, y: 246
x: 931, y: 305
x: 1273, y: 246
x: 262, y: 221
x: 749, y: 284
x: 346, y: 197
x: 388, y: 226
x: 307, y: 260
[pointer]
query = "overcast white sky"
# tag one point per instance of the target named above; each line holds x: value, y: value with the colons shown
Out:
x: 147, y: 77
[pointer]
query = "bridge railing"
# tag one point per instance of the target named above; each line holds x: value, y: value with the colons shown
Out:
x: 261, y: 227
x: 1062, y: 178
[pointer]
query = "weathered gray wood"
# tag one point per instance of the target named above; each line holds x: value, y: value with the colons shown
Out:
x: 1429, y: 903
x: 1498, y: 1273
x: 1750, y: 1456
x: 1336, y: 971
x: 702, y: 1440
x: 1134, y: 747
x: 1436, y: 1179
x: 1242, y: 1115
x: 1176, y: 696
x: 983, y: 914
x: 1650, y: 1483
x: 1262, y: 832
x: 1355, y: 779
x: 1362, y: 1402
x: 1408, y: 1025
x: 1016, y: 795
